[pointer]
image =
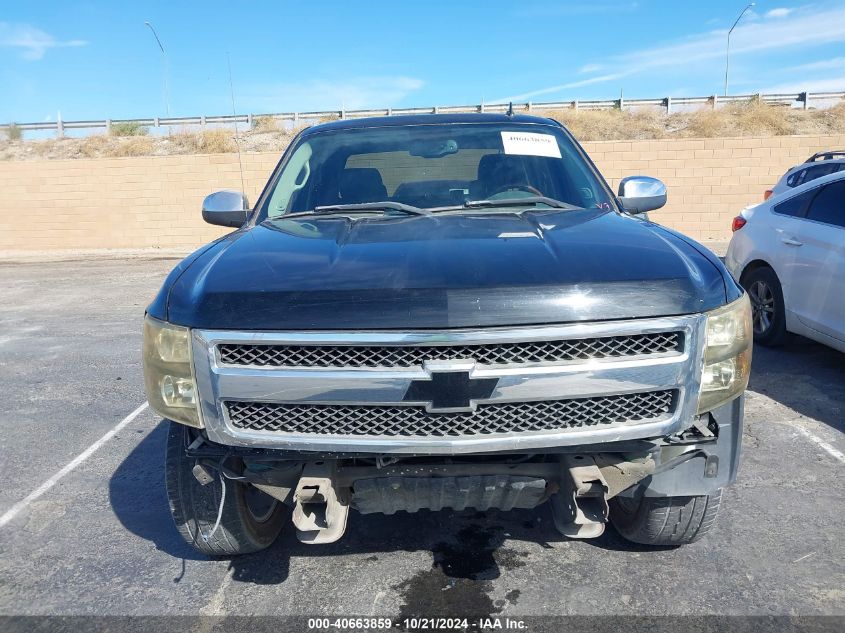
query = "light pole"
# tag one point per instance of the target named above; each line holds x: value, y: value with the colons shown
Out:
x: 728, y: 50
x: 166, y: 69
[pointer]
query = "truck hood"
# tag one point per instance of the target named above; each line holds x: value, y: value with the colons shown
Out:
x: 442, y: 271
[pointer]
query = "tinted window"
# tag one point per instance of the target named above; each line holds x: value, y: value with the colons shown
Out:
x: 796, y: 204
x: 432, y: 166
x: 817, y: 172
x: 829, y: 205
x: 795, y: 179
x: 811, y: 173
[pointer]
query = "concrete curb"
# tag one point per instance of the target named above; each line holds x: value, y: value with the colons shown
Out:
x: 99, y: 254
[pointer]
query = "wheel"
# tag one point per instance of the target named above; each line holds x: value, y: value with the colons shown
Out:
x: 251, y: 520
x: 664, y: 520
x: 767, y: 306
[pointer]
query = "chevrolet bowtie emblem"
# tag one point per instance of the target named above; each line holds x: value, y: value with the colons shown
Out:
x: 448, y: 391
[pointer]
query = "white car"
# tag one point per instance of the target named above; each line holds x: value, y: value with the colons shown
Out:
x: 789, y: 254
x: 818, y: 165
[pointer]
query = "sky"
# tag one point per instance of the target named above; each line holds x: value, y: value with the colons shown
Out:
x: 96, y: 59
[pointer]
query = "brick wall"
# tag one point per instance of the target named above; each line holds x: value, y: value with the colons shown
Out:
x: 151, y: 201
x: 155, y: 201
x: 709, y: 181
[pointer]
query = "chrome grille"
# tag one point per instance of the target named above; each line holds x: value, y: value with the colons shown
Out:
x: 529, y: 352
x: 510, y: 417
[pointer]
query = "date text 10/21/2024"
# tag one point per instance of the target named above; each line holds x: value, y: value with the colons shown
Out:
x: 417, y: 624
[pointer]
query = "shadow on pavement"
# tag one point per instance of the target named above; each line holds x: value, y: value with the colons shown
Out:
x: 805, y: 376
x: 466, y: 545
x: 139, y: 500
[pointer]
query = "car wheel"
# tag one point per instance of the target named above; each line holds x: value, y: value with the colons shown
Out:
x: 767, y: 306
x: 664, y: 521
x: 249, y: 520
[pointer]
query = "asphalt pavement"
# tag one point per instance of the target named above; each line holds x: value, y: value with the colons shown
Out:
x: 96, y: 538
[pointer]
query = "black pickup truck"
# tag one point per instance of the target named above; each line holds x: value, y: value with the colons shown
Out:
x: 446, y: 311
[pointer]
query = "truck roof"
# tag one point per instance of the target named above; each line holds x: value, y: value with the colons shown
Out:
x: 429, y: 119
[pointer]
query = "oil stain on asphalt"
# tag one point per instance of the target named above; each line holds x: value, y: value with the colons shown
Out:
x: 460, y: 579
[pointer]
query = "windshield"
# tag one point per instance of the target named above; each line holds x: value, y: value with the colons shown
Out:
x: 430, y: 166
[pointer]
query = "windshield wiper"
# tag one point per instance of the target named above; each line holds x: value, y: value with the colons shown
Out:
x: 364, y: 207
x: 521, y: 202
x: 388, y: 205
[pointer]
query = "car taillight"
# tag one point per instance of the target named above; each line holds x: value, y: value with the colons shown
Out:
x: 767, y: 194
x: 738, y: 223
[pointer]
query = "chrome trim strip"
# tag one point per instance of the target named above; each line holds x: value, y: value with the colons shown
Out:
x: 456, y: 337
x: 453, y: 446
x: 427, y: 339
x: 517, y: 383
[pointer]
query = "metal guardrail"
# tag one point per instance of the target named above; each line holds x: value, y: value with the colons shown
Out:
x: 804, y: 98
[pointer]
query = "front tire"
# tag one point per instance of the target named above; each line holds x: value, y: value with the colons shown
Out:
x: 664, y: 520
x: 767, y: 306
x: 250, y: 521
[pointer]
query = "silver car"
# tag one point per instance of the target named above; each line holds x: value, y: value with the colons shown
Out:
x: 789, y: 254
x: 818, y: 165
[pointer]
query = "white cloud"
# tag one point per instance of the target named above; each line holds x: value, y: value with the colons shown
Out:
x: 804, y: 31
x: 822, y: 84
x: 827, y: 75
x: 31, y: 42
x: 551, y: 89
x: 779, y: 13
x: 590, y: 68
x: 835, y: 63
x: 353, y: 93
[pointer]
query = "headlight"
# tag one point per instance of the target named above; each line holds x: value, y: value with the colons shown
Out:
x: 727, y: 354
x: 167, y: 372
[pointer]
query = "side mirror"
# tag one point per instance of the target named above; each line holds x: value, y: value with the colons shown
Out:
x: 226, y: 208
x: 639, y: 194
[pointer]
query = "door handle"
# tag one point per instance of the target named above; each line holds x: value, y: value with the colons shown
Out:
x: 791, y: 241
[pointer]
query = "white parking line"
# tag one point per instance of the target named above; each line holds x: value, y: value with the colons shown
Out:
x: 836, y: 454
x: 12, y: 512
x: 217, y: 604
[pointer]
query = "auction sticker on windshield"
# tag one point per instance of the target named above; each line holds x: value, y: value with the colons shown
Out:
x: 530, y: 144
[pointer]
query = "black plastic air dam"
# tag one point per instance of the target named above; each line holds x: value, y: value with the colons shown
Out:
x: 388, y: 495
x: 714, y: 467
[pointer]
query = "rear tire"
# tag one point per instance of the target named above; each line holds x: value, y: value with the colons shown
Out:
x: 250, y: 521
x: 664, y: 520
x: 767, y: 306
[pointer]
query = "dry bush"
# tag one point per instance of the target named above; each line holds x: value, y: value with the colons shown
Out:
x: 838, y: 112
x: 128, y: 128
x: 217, y: 142
x: 602, y: 125
x: 831, y: 120
x: 87, y: 147
x: 13, y: 132
x: 204, y: 142
x: 265, y: 142
x: 704, y: 123
x: 135, y: 146
x: 265, y: 124
x: 752, y: 118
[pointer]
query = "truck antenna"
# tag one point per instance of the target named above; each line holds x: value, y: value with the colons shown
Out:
x: 234, y: 114
x: 510, y: 109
